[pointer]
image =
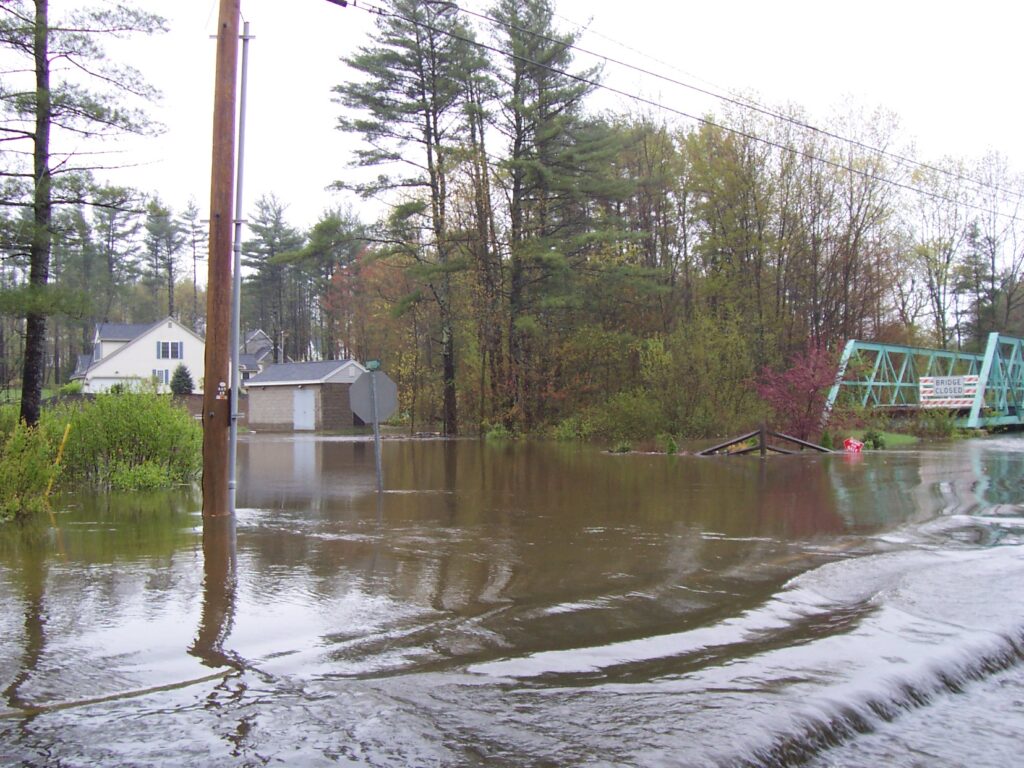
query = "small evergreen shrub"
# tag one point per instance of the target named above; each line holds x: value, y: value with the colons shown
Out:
x: 181, y: 381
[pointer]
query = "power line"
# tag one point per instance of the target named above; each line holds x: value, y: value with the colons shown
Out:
x: 380, y: 11
x: 751, y: 105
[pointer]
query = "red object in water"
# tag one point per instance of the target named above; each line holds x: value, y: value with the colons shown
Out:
x: 853, y: 446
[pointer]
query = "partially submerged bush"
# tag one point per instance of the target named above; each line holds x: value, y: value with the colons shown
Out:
x: 26, y: 468
x: 129, y: 440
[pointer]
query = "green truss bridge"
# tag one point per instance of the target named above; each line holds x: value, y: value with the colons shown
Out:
x: 986, y: 390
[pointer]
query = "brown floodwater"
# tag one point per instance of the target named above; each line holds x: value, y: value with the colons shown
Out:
x: 528, y: 604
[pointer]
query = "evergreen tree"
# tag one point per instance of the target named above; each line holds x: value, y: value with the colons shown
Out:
x: 541, y: 117
x: 164, y: 240
x: 270, y: 295
x: 181, y: 381
x: 412, y: 92
x: 57, y: 99
x: 196, y: 242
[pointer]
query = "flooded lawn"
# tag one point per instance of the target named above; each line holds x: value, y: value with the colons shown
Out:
x: 529, y: 605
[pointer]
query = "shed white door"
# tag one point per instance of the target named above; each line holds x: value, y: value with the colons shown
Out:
x: 304, y: 410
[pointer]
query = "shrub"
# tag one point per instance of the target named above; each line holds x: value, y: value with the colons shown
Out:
x: 117, y: 433
x: 874, y: 440
x: 26, y: 468
x: 71, y: 388
x: 146, y: 476
x: 627, y: 416
x: 499, y: 432
x: 933, y: 424
x: 573, y: 428
x: 667, y: 444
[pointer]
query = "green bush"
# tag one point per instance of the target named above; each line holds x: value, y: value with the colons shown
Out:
x: 71, y: 388
x: 499, y: 432
x: 9, y: 419
x: 633, y: 415
x: 26, y: 468
x: 666, y: 444
x: 573, y: 428
x: 933, y: 424
x: 874, y: 440
x: 120, y: 440
x: 147, y: 476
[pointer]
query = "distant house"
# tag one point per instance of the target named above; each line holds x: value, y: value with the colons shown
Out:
x: 303, y: 396
x: 123, y: 354
x: 255, y: 353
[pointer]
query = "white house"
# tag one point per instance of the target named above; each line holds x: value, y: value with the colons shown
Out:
x: 123, y: 354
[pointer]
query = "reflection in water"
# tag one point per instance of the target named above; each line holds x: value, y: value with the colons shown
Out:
x: 521, y: 604
x: 32, y: 574
x: 219, y: 586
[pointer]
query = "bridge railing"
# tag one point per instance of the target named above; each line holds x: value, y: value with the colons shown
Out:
x: 871, y: 374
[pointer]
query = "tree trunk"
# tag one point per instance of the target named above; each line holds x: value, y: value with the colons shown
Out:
x: 39, y: 251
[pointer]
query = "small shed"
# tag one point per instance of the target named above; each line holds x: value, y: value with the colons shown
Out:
x: 303, y: 397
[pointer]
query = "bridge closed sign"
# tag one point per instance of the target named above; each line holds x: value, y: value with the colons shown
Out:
x: 947, y: 391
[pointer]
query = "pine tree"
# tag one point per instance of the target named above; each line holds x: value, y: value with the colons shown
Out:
x: 272, y: 294
x: 181, y: 381
x: 412, y: 92
x: 31, y: 109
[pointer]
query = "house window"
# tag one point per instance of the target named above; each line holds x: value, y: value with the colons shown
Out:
x: 170, y: 350
x: 162, y: 377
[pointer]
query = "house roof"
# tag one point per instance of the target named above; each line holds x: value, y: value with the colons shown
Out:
x: 299, y: 373
x: 121, y: 331
x: 248, y: 362
x: 129, y: 329
x: 81, y: 366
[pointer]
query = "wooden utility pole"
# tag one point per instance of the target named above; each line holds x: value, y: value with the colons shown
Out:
x: 216, y: 403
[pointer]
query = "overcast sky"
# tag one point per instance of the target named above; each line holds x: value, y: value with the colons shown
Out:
x: 949, y: 70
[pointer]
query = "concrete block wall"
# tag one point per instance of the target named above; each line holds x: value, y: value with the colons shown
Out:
x: 334, y: 410
x: 271, y: 409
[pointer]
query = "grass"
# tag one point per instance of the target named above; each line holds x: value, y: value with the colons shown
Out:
x: 895, y: 439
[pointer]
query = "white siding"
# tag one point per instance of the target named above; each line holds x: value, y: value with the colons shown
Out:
x: 138, y: 359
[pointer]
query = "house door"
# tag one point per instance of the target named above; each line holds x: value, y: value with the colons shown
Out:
x: 304, y: 410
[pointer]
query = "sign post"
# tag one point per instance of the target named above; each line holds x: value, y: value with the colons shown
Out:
x: 374, y: 397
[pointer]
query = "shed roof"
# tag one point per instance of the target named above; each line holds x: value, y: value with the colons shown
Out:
x: 299, y: 373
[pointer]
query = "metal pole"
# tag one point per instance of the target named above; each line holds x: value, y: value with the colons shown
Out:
x: 216, y: 406
x: 376, y: 431
x: 236, y: 288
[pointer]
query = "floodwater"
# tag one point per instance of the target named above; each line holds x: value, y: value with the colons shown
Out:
x: 529, y: 605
